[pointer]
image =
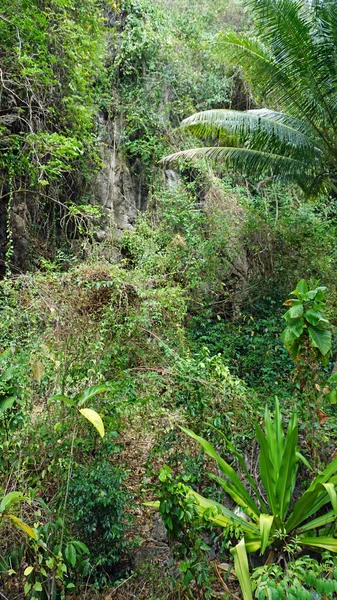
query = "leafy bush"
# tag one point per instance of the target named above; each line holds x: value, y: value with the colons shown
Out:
x: 98, y: 501
x: 185, y: 528
x: 303, y: 578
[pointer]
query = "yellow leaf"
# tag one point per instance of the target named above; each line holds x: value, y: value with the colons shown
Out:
x: 37, y: 369
x: 28, y: 571
x: 24, y: 526
x: 94, y: 419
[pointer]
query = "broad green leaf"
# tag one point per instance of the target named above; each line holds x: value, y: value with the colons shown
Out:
x: 313, y: 316
x: 288, y: 336
x: 6, y: 403
x: 287, y: 475
x: 27, y: 588
x: 90, y: 393
x: 70, y: 554
x: 81, y: 546
x: 94, y: 419
x: 11, y: 499
x: 318, y: 522
x: 309, y: 503
x: 31, y: 532
x: 295, y: 311
x: 328, y: 543
x: 326, y: 475
x: 274, y: 437
x: 320, y: 338
x: 296, y: 326
x: 330, y: 488
x: 62, y: 398
x: 333, y: 378
x: 294, y: 348
x: 28, y: 571
x: 231, y: 490
x: 37, y: 587
x: 332, y: 396
x: 220, y: 515
x: 242, y: 569
x: 242, y: 463
x: 267, y: 472
x: 302, y: 287
x: 313, y: 498
x: 266, y: 522
x: 225, y: 468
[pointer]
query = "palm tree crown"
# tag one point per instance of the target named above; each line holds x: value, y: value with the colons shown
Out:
x: 292, y: 61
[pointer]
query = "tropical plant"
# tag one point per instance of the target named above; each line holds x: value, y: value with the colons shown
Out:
x: 88, y: 413
x: 266, y: 518
x: 291, y: 60
x: 307, y: 327
x: 303, y: 579
x: 307, y: 337
x: 98, y: 505
x: 6, y: 503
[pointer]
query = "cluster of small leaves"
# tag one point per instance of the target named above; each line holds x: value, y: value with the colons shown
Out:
x: 52, y: 565
x: 185, y: 529
x: 303, y: 579
x: 97, y: 503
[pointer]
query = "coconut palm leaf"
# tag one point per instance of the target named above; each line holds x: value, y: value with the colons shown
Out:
x: 259, y: 125
x: 290, y: 37
x: 292, y: 62
x: 252, y: 162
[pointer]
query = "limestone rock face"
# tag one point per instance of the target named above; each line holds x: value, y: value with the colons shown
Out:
x: 118, y: 188
x: 21, y: 234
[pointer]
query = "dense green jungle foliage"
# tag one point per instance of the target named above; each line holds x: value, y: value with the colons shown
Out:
x: 193, y: 372
x: 49, y: 56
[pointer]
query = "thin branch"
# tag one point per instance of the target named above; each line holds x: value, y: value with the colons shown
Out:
x: 224, y: 585
x: 18, y: 191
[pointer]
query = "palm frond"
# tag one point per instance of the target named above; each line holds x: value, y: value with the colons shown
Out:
x: 284, y: 118
x: 260, y: 127
x: 255, y: 163
x: 288, y: 27
x: 278, y: 80
x: 244, y: 158
x: 292, y: 60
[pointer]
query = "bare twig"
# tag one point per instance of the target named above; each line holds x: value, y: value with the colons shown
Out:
x: 224, y: 584
x: 120, y: 585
